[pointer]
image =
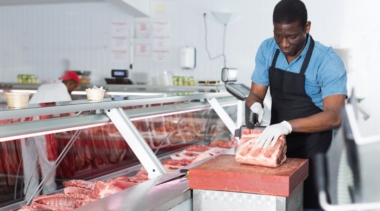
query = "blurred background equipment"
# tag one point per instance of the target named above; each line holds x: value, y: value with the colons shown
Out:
x: 119, y: 77
x: 188, y: 58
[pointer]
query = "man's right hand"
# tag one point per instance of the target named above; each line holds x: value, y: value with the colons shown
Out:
x: 256, y: 108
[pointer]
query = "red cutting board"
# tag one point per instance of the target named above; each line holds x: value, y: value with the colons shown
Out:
x: 223, y: 173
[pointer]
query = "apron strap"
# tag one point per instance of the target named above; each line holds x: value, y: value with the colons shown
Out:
x: 275, y: 58
x: 308, y: 56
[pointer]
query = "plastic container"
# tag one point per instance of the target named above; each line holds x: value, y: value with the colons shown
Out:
x: 17, y: 100
x: 95, y: 95
x: 166, y: 78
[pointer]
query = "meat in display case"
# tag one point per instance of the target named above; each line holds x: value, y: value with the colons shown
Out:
x: 61, y: 161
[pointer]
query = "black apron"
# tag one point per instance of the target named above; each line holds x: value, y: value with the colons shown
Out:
x: 290, y: 101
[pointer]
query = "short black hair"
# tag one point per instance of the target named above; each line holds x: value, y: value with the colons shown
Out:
x: 290, y: 11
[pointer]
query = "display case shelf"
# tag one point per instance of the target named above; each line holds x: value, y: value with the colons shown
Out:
x: 147, y: 113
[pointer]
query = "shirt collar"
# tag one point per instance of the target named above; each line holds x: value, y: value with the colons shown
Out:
x: 304, y: 51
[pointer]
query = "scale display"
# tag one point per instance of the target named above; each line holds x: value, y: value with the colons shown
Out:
x: 240, y: 91
x: 119, y: 73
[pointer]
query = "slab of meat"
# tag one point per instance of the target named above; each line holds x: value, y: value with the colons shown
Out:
x: 79, y: 183
x: 224, y: 143
x: 104, y: 189
x: 122, y: 184
x: 197, y: 148
x: 249, y: 153
x: 79, y: 187
x: 57, y: 201
x: 44, y: 207
x: 78, y: 190
x: 79, y: 203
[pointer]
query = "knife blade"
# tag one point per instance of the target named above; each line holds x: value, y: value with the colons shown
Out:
x: 168, y: 177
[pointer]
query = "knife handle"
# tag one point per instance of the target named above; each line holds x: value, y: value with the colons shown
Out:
x: 183, y: 170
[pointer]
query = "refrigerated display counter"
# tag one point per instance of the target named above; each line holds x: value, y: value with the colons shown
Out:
x: 117, y: 153
x: 119, y: 90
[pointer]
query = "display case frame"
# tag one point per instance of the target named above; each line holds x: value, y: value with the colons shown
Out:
x: 110, y: 111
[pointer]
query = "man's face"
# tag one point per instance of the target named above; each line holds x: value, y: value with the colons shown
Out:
x: 71, y: 86
x: 291, y: 37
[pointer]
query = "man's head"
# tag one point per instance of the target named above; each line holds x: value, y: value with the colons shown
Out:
x: 290, y: 26
x: 71, y: 80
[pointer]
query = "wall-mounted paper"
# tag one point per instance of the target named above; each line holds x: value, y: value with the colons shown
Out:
x: 143, y: 49
x: 159, y: 9
x: 119, y: 29
x: 161, y: 56
x: 161, y: 28
x: 161, y: 43
x: 119, y: 43
x: 143, y: 28
x: 119, y: 55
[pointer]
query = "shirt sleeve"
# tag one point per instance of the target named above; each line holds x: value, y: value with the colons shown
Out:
x: 333, y: 76
x: 260, y: 74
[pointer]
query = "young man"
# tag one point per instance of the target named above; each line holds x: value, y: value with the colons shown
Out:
x: 307, y: 83
x: 42, y: 149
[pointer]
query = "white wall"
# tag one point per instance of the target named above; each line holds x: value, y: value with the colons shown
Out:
x: 362, y: 36
x: 38, y: 39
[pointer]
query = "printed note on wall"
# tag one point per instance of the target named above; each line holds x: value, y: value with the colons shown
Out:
x: 161, y: 43
x: 143, y: 49
x: 161, y: 28
x: 119, y: 41
x: 119, y: 29
x: 143, y: 28
x: 161, y: 56
x: 119, y: 55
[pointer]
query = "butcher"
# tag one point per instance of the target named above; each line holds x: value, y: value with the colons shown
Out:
x: 307, y: 84
x: 40, y: 149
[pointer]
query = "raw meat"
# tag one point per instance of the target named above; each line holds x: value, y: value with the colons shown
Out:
x: 123, y: 184
x: 197, y: 148
x: 77, y: 190
x: 203, y: 156
x: 249, y: 153
x: 223, y: 144
x: 79, y: 183
x: 79, y: 203
x: 57, y: 201
x: 104, y: 189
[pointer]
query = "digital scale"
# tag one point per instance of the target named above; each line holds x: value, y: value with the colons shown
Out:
x: 119, y: 77
x: 240, y: 91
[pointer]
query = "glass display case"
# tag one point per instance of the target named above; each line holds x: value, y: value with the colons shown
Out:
x: 82, y: 152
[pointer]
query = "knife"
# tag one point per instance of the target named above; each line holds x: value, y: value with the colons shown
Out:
x: 168, y: 177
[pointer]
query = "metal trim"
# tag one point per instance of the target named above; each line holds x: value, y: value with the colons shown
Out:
x: 222, y: 115
x: 41, y: 127
x: 137, y: 143
x: 69, y: 107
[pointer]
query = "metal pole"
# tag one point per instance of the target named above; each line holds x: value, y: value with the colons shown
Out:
x: 137, y: 143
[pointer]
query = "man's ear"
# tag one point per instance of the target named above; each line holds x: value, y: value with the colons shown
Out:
x: 307, y: 27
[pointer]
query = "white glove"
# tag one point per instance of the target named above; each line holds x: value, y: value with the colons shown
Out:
x: 271, y: 134
x: 258, y: 109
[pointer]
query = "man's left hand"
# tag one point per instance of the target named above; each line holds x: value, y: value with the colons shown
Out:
x: 271, y: 134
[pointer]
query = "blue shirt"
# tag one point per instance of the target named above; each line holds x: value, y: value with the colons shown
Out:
x: 325, y: 74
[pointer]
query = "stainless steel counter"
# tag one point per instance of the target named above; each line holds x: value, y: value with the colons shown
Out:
x: 145, y: 196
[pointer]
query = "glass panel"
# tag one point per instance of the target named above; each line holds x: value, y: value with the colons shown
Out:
x: 96, y: 154
x: 182, y: 139
x: 100, y: 156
